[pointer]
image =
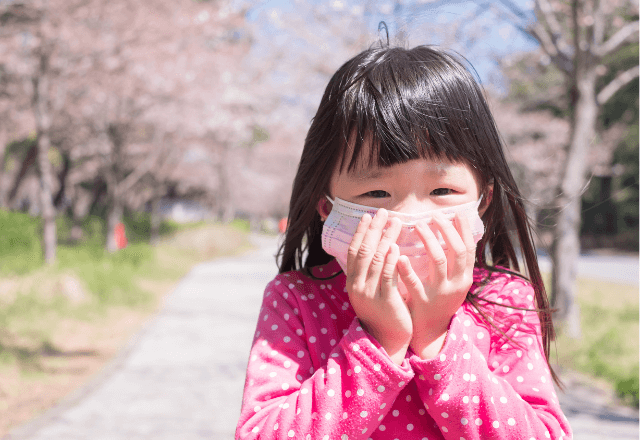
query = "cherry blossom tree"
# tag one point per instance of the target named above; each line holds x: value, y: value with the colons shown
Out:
x: 38, y: 62
x: 579, y: 37
x: 106, y: 86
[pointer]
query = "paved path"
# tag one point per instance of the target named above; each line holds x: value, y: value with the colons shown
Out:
x: 592, y: 417
x: 622, y: 269
x: 181, y: 378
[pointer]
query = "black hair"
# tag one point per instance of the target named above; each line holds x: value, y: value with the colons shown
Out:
x: 410, y: 104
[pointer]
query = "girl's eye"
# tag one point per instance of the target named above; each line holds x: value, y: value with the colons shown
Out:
x: 442, y: 191
x: 377, y: 194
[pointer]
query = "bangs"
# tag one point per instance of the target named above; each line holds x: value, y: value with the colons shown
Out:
x: 399, y: 105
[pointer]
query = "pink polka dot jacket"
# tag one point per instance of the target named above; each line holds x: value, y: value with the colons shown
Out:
x: 314, y: 373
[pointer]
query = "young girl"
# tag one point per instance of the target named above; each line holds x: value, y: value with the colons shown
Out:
x: 398, y: 312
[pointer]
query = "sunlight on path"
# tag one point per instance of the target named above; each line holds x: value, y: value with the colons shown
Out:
x: 182, y: 376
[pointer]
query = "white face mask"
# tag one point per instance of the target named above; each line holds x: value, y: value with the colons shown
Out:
x: 342, y: 222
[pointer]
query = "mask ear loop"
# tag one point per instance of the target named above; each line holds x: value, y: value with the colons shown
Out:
x: 489, y: 192
x: 322, y: 206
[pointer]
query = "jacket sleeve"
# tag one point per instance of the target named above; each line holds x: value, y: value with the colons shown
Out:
x: 286, y: 397
x: 508, y: 395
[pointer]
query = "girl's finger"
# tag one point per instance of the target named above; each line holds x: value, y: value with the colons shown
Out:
x: 435, y: 253
x: 368, y: 246
x: 455, y: 246
x: 389, y: 275
x: 464, y: 228
x: 356, y: 240
x: 410, y: 279
x: 380, y: 255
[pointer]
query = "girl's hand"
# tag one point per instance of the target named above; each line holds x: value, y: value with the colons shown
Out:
x: 433, y: 302
x: 372, y: 283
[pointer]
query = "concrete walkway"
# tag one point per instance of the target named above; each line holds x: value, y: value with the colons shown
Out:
x: 623, y: 269
x: 182, y: 376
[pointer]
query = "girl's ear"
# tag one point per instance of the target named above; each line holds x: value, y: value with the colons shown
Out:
x: 324, y: 208
x: 486, y: 200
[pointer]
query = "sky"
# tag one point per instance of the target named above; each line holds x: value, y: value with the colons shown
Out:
x: 289, y: 39
x: 483, y: 38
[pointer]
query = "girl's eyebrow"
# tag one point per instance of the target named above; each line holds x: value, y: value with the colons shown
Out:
x: 367, y: 174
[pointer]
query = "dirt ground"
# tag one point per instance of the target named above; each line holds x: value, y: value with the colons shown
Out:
x: 81, y: 350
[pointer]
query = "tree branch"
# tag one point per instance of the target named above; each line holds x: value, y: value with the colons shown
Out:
x: 599, y: 24
x: 538, y: 33
x: 514, y: 9
x: 562, y: 56
x: 550, y: 19
x: 559, y: 58
x: 616, y: 40
x: 138, y: 173
x: 616, y: 84
x: 481, y: 9
x: 550, y: 37
x: 524, y: 28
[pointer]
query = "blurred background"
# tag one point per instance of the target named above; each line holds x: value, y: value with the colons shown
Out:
x: 138, y: 139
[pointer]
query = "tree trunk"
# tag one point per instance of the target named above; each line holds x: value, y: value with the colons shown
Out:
x: 566, y: 247
x: 565, y: 253
x: 155, y: 220
x: 76, y: 233
x: 46, y: 202
x: 226, y: 210
x: 81, y: 204
x: 59, y: 199
x: 113, y: 218
x: 3, y: 176
x: 227, y: 213
x: 45, y: 170
x: 28, y: 161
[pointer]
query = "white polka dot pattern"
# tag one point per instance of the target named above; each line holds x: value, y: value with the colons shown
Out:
x: 315, y: 373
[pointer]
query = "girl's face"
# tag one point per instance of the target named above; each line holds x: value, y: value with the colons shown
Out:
x: 412, y: 187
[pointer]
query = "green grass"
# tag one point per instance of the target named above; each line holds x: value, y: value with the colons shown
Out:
x: 20, y: 249
x: 34, y: 297
x: 241, y: 224
x: 608, y: 348
x: 111, y: 277
x: 138, y: 227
